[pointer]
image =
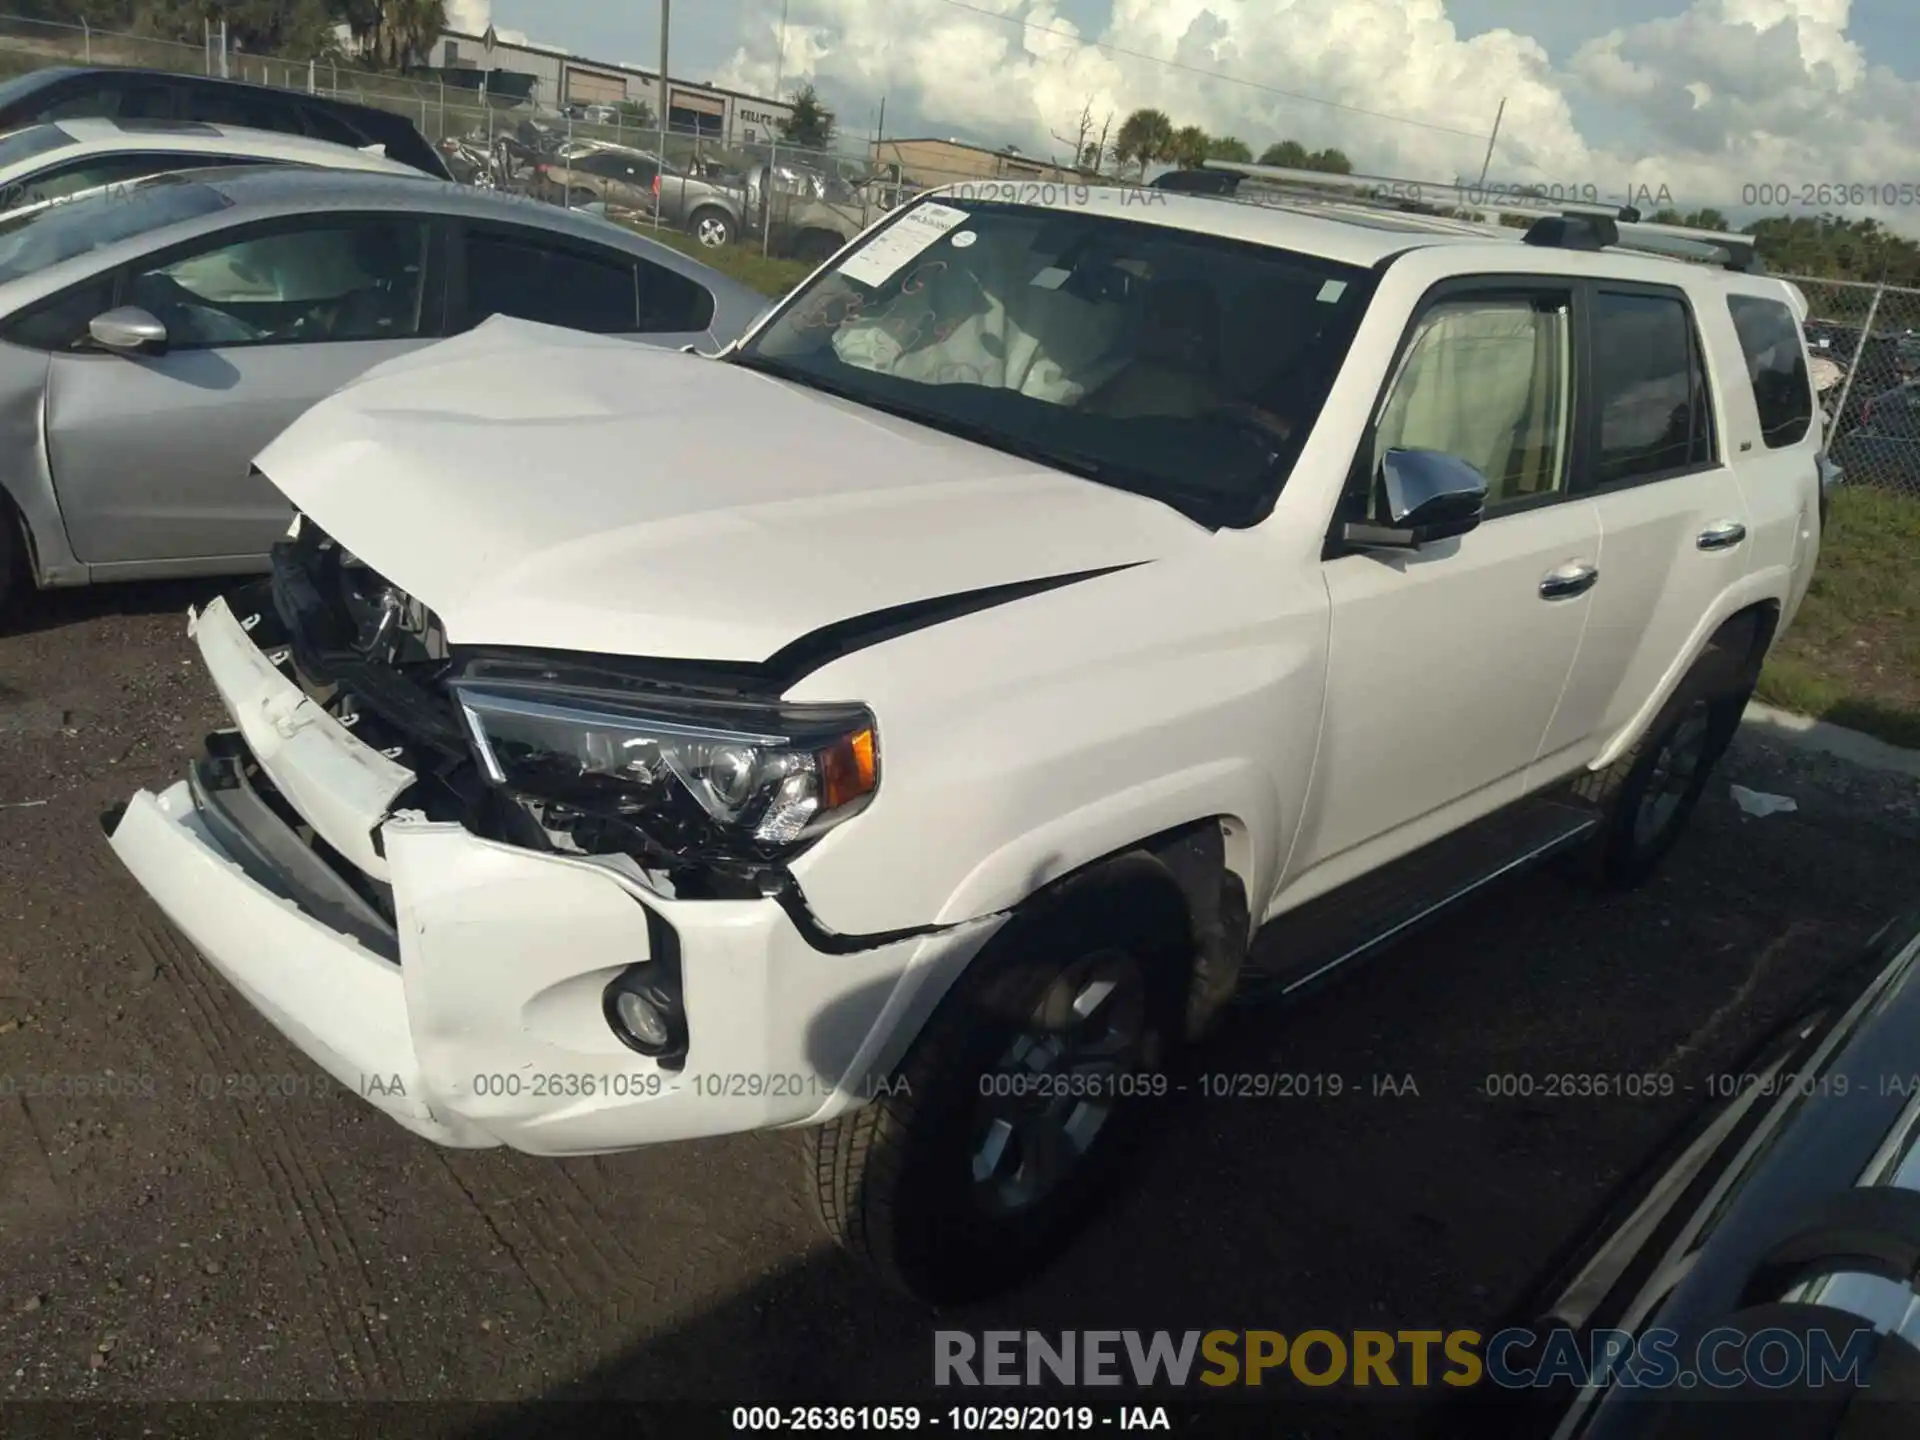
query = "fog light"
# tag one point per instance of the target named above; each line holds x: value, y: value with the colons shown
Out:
x: 642, y: 1018
x: 643, y: 1008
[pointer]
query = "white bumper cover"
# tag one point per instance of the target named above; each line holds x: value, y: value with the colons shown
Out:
x: 490, y: 1030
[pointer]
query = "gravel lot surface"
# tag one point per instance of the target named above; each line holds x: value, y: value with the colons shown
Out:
x: 170, y: 1239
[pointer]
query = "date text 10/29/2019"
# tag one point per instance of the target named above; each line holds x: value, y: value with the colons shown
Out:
x: 958, y: 1419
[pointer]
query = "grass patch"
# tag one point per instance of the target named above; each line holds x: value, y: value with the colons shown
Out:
x: 1853, y: 654
x: 736, y: 262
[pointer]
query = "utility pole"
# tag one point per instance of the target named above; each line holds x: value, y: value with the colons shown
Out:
x: 773, y: 140
x: 666, y: 105
x: 1486, y: 163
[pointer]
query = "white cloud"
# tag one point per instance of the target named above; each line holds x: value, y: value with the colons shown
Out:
x: 470, y: 17
x: 1718, y: 94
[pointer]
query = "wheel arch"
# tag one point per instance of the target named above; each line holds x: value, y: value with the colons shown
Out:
x: 1193, y: 877
x: 1743, y: 626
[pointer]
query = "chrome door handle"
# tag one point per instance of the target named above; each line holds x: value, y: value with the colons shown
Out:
x: 1568, y: 581
x: 1724, y: 536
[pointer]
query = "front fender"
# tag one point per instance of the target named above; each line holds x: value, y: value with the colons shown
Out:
x: 28, y: 482
x: 1234, y: 790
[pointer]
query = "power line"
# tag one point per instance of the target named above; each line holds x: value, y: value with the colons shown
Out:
x: 1209, y: 74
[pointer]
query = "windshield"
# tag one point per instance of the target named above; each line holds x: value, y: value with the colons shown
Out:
x: 1182, y: 366
x: 34, y: 239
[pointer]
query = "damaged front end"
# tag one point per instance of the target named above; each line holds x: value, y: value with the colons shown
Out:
x: 696, y: 776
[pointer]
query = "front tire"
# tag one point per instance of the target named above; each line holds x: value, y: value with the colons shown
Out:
x: 1646, y: 797
x: 1013, y: 1114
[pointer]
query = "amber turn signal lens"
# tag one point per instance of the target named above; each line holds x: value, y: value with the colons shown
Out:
x: 847, y: 771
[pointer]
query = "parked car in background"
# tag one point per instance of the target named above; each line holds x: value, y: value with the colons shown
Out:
x: 152, y: 341
x: 70, y: 92
x: 47, y: 163
x: 1874, y: 362
x: 1788, y: 1206
x: 809, y: 215
x: 712, y: 210
x: 1883, y: 446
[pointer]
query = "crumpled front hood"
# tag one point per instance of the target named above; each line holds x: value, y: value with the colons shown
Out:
x: 539, y: 487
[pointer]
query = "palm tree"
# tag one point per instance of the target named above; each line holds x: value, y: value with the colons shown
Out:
x: 1188, y: 147
x: 1229, y: 147
x: 1145, y: 136
x: 393, y: 32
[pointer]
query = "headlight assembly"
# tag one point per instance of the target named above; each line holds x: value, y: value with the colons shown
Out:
x: 695, y: 778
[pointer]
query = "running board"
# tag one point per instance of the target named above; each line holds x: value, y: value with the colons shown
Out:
x: 1367, y: 915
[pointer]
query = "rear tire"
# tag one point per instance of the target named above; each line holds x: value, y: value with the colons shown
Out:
x: 816, y: 247
x: 712, y: 228
x: 1646, y: 797
x: 950, y: 1184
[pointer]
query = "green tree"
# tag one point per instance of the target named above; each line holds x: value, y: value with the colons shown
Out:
x: 811, y: 124
x: 1188, y: 147
x: 1289, y: 154
x: 391, y: 33
x: 1145, y: 136
x: 1229, y: 147
x: 1292, y: 155
x: 1707, y: 219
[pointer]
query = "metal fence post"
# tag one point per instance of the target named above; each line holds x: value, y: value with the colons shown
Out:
x: 766, y: 195
x: 1859, y: 354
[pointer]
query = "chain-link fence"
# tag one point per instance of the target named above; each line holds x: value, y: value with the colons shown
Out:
x: 1865, y: 343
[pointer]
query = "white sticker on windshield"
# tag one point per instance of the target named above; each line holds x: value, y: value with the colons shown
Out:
x: 883, y: 257
x: 963, y: 238
x: 1331, y: 291
x: 1051, y: 278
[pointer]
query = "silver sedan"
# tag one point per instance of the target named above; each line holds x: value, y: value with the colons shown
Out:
x: 153, y: 339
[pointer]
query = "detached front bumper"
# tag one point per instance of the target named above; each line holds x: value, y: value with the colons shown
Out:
x: 476, y: 1016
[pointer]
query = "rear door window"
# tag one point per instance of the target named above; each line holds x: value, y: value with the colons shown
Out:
x: 1653, y: 414
x: 671, y: 304
x: 531, y: 277
x: 1776, y: 367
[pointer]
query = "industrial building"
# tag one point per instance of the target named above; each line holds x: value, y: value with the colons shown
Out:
x: 558, y: 79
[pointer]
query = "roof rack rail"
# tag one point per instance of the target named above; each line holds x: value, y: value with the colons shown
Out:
x: 1672, y: 242
x: 1568, y: 225
x: 1392, y: 191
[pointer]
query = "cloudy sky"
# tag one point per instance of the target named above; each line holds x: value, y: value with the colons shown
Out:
x: 1700, y: 97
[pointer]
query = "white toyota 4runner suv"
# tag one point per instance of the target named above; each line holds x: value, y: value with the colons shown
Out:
x: 900, y: 723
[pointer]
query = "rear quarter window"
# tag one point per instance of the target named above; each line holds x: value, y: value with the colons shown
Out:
x: 1776, y: 367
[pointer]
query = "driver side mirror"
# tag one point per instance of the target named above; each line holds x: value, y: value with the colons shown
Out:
x: 129, y: 330
x: 1423, y: 496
